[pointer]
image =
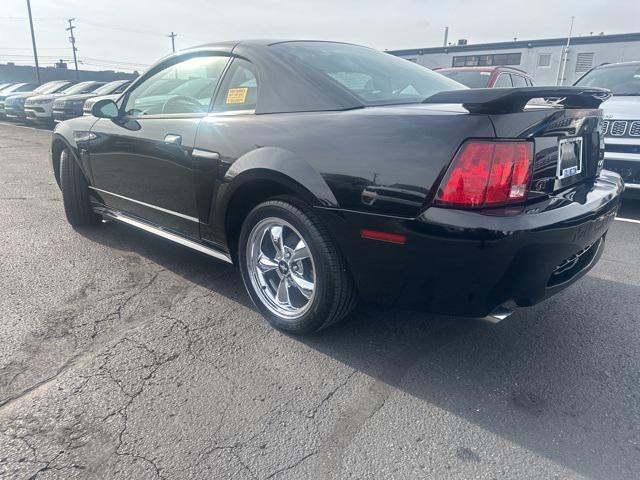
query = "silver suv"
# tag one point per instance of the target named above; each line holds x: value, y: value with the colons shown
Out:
x: 621, y: 124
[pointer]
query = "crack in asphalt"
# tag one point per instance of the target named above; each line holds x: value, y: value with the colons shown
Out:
x: 330, y: 394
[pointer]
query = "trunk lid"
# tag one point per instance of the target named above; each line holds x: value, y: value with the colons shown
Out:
x: 568, y: 145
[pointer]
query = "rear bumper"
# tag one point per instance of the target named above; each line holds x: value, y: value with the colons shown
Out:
x: 468, y: 263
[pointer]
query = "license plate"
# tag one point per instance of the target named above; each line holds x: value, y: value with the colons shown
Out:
x: 569, y: 157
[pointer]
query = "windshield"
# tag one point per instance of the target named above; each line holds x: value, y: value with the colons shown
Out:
x: 375, y: 77
x: 472, y: 79
x: 83, y: 87
x: 107, y: 88
x: 13, y: 88
x: 620, y: 79
x: 50, y: 87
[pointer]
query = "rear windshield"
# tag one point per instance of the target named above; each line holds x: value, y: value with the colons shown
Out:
x: 376, y: 78
x: 469, y: 78
x: 620, y: 79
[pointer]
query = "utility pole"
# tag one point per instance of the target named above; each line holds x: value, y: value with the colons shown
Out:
x: 72, y: 39
x: 173, y: 36
x: 33, y: 41
x: 563, y: 58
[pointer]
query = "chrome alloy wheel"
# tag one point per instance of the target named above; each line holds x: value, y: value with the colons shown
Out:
x: 281, y: 268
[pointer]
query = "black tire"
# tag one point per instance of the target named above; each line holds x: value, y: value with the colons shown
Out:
x: 75, y: 193
x: 335, y: 295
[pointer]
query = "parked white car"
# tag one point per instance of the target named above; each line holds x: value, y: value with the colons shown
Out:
x: 621, y: 126
x: 40, y: 108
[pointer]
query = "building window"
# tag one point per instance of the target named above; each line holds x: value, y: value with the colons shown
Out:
x: 544, y: 60
x: 584, y: 62
x: 487, y: 60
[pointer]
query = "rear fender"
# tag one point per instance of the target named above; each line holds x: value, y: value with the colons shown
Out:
x: 274, y: 165
x: 284, y: 164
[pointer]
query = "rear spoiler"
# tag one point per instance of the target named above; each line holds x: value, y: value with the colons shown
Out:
x: 512, y: 100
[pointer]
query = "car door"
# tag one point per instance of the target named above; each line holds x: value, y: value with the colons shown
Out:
x: 141, y: 162
x: 224, y: 136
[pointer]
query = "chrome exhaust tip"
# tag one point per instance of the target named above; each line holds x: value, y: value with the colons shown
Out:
x: 498, y: 314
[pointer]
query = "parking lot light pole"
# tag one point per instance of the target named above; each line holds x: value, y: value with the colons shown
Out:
x: 33, y: 41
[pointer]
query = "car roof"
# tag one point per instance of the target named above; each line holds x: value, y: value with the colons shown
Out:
x: 488, y: 68
x: 285, y: 86
x: 618, y: 64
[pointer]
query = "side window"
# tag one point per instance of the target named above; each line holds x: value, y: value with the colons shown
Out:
x: 503, y: 81
x: 185, y: 87
x: 519, y: 81
x: 239, y: 88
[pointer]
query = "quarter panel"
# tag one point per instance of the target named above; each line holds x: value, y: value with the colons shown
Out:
x: 378, y: 160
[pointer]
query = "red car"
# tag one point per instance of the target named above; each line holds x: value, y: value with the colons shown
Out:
x: 488, y: 77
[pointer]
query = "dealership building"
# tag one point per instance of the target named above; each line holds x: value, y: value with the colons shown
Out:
x: 540, y: 58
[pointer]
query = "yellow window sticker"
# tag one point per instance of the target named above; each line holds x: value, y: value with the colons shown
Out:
x: 237, y: 95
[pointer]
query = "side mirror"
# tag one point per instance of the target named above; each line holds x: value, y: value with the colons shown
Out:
x: 105, y: 108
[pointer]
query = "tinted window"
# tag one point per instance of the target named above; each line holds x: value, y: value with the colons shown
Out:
x: 518, y: 81
x: 469, y: 78
x: 240, y: 88
x: 186, y: 87
x: 503, y: 81
x: 620, y: 79
x: 376, y: 78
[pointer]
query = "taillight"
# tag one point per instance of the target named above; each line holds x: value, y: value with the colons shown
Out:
x: 486, y: 173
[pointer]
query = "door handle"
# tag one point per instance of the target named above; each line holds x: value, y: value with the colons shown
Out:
x: 205, y: 154
x: 171, y: 138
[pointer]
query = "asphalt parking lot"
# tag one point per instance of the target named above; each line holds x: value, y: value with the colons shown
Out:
x: 127, y: 357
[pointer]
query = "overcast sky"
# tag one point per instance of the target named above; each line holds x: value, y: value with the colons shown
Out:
x: 133, y: 32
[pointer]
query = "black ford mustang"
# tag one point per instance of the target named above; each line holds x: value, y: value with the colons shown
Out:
x: 330, y: 171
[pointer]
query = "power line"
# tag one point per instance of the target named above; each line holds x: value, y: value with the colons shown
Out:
x: 29, y: 48
x: 122, y: 29
x: 103, y: 60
